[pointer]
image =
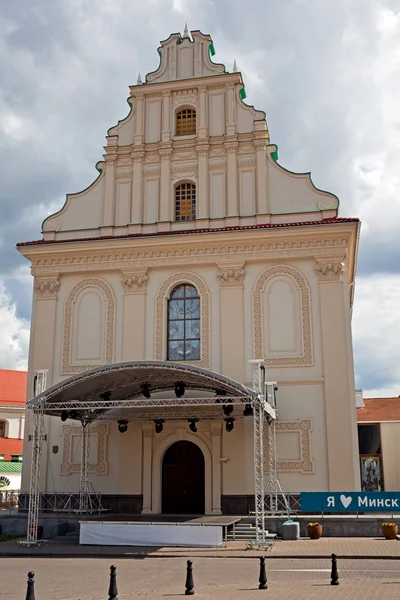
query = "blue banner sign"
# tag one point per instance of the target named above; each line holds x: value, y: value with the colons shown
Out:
x: 324, y: 502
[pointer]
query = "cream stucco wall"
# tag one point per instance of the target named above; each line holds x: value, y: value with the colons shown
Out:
x: 282, y: 294
x: 390, y: 455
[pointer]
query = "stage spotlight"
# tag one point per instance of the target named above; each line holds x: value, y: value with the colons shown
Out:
x: 248, y: 410
x: 192, y: 425
x: 146, y: 390
x: 220, y: 392
x: 159, y: 425
x: 106, y: 396
x: 122, y: 426
x: 64, y: 415
x: 73, y: 414
x: 269, y: 418
x: 228, y: 409
x: 179, y: 389
x: 229, y: 424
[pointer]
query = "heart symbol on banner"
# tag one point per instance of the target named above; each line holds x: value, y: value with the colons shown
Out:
x: 345, y: 500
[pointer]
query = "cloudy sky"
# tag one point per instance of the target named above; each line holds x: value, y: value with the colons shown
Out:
x: 327, y: 73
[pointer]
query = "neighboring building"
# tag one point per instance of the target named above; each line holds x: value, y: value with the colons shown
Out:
x: 12, y: 424
x: 194, y: 245
x: 379, y: 443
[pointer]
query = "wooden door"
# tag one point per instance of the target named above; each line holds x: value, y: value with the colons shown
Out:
x: 183, y: 476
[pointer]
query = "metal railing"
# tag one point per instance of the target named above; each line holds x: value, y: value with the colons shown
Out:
x: 56, y: 502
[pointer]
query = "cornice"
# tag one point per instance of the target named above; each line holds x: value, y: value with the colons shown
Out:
x: 205, y: 252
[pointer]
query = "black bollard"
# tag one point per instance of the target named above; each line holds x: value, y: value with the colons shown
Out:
x: 334, y: 572
x: 263, y: 575
x: 30, y: 590
x: 189, y: 585
x: 112, y: 590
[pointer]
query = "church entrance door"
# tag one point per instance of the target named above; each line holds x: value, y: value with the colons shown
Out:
x: 183, y: 476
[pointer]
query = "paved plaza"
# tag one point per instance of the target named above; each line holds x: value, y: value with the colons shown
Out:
x: 227, y: 578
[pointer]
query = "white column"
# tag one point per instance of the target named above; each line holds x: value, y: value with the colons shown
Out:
x: 261, y: 161
x: 202, y: 208
x: 165, y: 183
x: 233, y: 207
x: 147, y: 470
x: 216, y: 468
x: 137, y: 186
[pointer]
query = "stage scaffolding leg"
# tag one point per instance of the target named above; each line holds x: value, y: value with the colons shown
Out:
x: 258, y: 420
x: 34, y: 489
x: 84, y: 492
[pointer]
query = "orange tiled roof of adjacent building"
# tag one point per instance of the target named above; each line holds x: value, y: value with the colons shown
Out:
x: 12, y: 387
x: 379, y: 409
x: 9, y: 446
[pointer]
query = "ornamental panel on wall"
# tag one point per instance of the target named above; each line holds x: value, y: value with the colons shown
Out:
x: 71, y: 453
x: 161, y: 316
x: 89, y: 325
x: 282, y: 318
x: 299, y: 446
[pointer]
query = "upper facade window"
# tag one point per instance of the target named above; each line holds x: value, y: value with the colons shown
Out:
x: 186, y: 122
x: 183, y: 336
x: 2, y: 429
x: 185, y: 202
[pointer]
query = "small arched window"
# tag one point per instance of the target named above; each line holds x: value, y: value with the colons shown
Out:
x: 2, y: 429
x: 186, y: 122
x: 185, y: 202
x: 183, y: 335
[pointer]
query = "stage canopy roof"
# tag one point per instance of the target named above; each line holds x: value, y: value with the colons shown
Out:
x: 105, y: 391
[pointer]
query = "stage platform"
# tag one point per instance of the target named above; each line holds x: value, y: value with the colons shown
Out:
x: 188, y: 532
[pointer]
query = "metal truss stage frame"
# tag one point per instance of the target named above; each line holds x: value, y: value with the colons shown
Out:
x: 115, y: 393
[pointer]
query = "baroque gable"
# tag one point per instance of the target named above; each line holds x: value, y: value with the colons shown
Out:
x: 188, y: 124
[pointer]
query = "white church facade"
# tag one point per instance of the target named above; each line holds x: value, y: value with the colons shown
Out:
x: 194, y: 246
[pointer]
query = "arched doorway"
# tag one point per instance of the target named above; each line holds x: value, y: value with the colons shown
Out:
x: 183, y: 476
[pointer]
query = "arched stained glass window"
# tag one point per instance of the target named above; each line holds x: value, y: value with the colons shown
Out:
x: 183, y: 336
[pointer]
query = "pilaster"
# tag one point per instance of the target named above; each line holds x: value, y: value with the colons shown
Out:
x: 134, y: 282
x: 233, y: 206
x: 230, y: 121
x: 137, y: 186
x: 216, y: 468
x: 231, y: 276
x: 147, y: 435
x: 339, y: 384
x: 261, y: 162
x: 165, y: 189
x: 166, y: 120
x: 202, y: 128
x: 109, y: 191
x: 139, y: 119
x: 202, y: 208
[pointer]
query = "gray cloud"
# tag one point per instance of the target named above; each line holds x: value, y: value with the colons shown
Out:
x: 326, y: 73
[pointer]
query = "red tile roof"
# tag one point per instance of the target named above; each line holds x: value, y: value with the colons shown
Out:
x: 10, y: 446
x: 13, y: 387
x: 379, y: 409
x: 194, y: 231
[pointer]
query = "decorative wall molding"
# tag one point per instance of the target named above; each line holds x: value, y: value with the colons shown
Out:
x: 303, y: 465
x: 161, y: 316
x: 69, y: 464
x: 66, y: 366
x: 47, y: 287
x: 134, y: 280
x: 189, y: 166
x: 329, y: 270
x: 306, y: 357
x: 182, y: 97
x: 231, y: 274
x: 246, y: 251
